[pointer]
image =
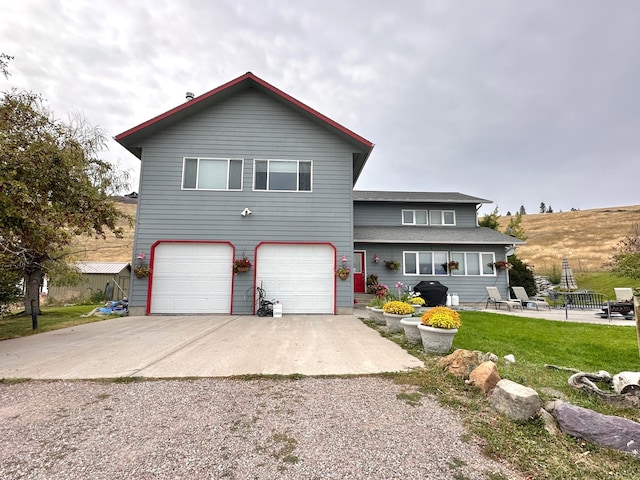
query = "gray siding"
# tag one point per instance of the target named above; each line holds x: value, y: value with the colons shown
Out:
x: 470, y: 289
x: 390, y: 214
x: 248, y: 125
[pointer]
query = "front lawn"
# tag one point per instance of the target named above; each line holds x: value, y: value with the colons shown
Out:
x: 535, y: 343
x: 52, y: 318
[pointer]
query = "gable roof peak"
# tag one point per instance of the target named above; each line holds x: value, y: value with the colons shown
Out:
x: 248, y: 80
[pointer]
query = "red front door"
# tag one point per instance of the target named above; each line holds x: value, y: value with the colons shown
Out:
x: 358, y: 272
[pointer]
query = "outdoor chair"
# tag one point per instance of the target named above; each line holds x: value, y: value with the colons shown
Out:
x: 624, y: 294
x: 496, y: 299
x: 527, y: 301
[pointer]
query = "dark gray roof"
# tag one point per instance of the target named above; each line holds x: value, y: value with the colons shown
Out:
x: 439, y: 235
x: 438, y: 197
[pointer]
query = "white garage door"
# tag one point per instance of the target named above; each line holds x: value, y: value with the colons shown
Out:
x: 301, y: 277
x: 192, y: 278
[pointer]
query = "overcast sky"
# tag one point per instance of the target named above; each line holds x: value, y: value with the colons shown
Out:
x: 519, y: 102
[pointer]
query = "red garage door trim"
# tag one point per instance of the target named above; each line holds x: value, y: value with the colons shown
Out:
x: 152, y: 260
x: 257, y: 259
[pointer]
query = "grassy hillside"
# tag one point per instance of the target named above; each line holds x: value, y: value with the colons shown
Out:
x: 586, y: 237
x: 110, y: 249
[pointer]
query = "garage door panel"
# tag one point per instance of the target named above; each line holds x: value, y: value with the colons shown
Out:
x: 192, y: 278
x: 301, y: 277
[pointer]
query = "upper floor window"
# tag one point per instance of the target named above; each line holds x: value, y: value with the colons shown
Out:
x: 212, y: 174
x: 442, y: 217
x: 414, y: 217
x: 428, y: 217
x: 282, y: 175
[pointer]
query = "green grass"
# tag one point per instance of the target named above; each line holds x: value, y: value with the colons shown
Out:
x: 52, y: 318
x: 534, y: 343
x: 603, y: 282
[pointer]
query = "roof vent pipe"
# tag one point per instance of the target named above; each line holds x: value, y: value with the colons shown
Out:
x: 189, y: 96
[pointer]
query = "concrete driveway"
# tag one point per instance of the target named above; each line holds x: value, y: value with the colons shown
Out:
x: 204, y: 346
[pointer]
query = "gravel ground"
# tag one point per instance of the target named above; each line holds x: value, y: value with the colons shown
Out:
x: 313, y: 428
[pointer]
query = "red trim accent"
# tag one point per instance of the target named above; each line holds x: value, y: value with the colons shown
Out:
x: 247, y: 77
x: 255, y: 270
x: 153, y: 259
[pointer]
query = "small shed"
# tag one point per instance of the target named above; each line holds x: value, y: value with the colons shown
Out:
x: 111, y: 278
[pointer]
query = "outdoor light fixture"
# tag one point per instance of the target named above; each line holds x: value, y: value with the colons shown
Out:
x: 246, y: 212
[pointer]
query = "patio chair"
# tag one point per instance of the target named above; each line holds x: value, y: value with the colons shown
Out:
x: 496, y: 299
x: 527, y: 301
x: 624, y: 294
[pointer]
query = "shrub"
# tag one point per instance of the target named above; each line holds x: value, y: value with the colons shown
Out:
x: 380, y: 290
x: 521, y: 275
x: 97, y: 296
x: 555, y: 275
x: 398, y: 308
x: 441, y: 317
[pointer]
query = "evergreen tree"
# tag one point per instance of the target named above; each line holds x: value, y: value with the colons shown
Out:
x: 522, y: 211
x: 543, y: 207
x: 515, y: 228
x: 490, y: 220
x: 521, y: 275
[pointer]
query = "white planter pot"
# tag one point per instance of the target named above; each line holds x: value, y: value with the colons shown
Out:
x: 393, y: 321
x: 410, y: 326
x: 437, y: 340
x: 377, y: 315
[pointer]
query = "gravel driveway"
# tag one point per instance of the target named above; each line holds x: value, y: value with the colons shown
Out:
x: 313, y: 428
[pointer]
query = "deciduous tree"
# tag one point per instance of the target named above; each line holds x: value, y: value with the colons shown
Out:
x: 626, y: 260
x: 54, y: 188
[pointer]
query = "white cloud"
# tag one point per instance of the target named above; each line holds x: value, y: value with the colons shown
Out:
x: 521, y: 103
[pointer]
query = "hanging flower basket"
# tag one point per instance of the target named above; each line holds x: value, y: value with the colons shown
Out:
x: 392, y: 265
x: 501, y: 265
x: 241, y: 265
x: 343, y: 272
x: 141, y: 271
x: 453, y: 265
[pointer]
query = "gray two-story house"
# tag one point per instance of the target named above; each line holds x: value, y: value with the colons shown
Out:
x: 246, y: 170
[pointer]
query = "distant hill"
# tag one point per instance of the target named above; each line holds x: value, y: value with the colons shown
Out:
x: 110, y: 249
x: 586, y: 237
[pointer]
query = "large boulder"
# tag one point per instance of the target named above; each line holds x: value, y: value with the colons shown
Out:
x: 460, y: 363
x: 485, y: 376
x: 515, y: 401
x: 605, y: 430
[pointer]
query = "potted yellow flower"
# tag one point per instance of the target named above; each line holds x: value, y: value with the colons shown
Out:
x: 394, y: 311
x: 438, y: 327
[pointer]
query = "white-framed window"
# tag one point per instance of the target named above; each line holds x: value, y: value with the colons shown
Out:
x: 474, y: 263
x: 282, y: 175
x: 415, y: 217
x: 442, y: 217
x: 428, y: 217
x: 212, y: 173
x: 425, y: 263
